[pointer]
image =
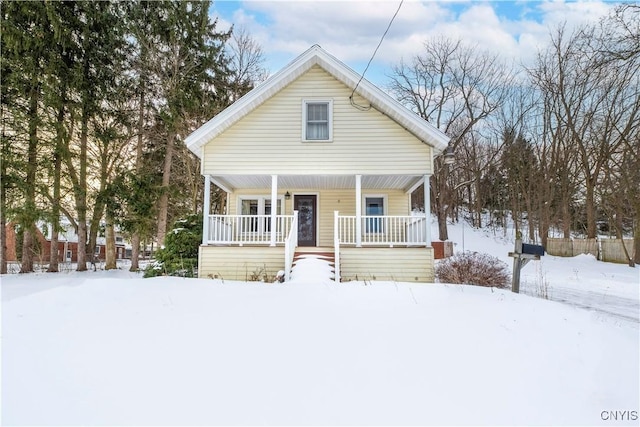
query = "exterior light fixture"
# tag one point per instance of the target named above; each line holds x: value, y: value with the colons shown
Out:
x: 287, y: 195
x: 449, y: 156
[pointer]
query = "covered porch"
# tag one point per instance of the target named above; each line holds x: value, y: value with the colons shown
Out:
x: 341, y: 212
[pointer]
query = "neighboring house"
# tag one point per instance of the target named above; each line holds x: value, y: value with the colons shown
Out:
x: 67, y: 243
x: 41, y: 248
x: 314, y: 159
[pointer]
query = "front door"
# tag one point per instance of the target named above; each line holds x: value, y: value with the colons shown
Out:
x: 306, y: 206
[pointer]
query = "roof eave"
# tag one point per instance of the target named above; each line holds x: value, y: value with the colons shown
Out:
x: 315, y: 55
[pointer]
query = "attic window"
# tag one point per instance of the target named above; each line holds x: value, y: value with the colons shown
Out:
x: 317, y: 120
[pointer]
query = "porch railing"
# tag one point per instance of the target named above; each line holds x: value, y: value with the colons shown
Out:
x: 381, y: 230
x: 290, y: 245
x: 248, y: 229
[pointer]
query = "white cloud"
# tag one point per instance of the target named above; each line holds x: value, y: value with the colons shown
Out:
x: 574, y: 13
x: 350, y: 30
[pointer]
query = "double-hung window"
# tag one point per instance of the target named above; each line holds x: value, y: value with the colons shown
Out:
x: 374, y: 209
x: 317, y: 120
x: 258, y: 210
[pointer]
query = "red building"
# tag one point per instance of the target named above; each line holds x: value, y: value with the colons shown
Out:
x: 67, y: 245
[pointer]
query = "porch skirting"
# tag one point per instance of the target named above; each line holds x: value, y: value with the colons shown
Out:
x: 412, y: 264
x: 247, y: 263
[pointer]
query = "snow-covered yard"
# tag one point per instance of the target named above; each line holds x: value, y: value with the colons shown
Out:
x: 110, y: 348
x: 582, y: 281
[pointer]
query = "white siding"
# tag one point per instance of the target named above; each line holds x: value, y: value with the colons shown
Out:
x: 396, y: 264
x: 269, y: 139
x: 240, y: 262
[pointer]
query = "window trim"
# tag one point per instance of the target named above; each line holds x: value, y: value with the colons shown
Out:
x: 329, y: 103
x: 385, y: 210
x: 261, y: 228
x: 375, y: 196
x: 261, y: 203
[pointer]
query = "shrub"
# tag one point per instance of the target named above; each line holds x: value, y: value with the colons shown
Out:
x: 473, y: 268
x: 179, y: 255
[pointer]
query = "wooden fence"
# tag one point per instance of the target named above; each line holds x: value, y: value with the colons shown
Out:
x: 608, y: 250
x: 611, y: 250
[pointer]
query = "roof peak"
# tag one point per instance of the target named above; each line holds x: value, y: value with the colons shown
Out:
x: 316, y: 55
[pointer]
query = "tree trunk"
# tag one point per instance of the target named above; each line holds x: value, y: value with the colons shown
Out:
x: 163, y: 205
x: 81, y: 197
x: 543, y: 223
x: 566, y: 218
x: 477, y: 218
x: 530, y: 223
x: 636, y: 236
x: 92, y: 238
x: 441, y: 213
x: 590, y: 206
x: 636, y: 240
x: 94, y: 228
x: 135, y: 252
x: 27, y: 252
x: 438, y: 205
x: 55, y: 205
x: 28, y: 222
x: 110, y: 254
x: 3, y: 203
x: 135, y: 238
x: 53, y: 252
x: 3, y: 232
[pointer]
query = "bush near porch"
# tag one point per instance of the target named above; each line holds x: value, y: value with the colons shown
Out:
x: 179, y: 254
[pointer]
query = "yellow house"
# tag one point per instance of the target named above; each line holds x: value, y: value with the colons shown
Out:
x: 316, y: 159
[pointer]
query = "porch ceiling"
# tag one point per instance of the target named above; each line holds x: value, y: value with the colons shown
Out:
x: 317, y: 182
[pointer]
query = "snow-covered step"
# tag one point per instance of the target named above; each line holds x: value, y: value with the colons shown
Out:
x: 312, y: 268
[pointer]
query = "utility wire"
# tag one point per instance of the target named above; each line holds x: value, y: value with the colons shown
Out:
x: 361, y: 107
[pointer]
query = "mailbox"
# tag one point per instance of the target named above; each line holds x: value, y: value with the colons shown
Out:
x: 532, y: 249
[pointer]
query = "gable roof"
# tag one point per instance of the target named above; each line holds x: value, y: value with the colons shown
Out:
x: 315, y: 55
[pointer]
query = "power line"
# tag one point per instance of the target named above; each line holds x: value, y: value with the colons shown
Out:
x: 372, y: 56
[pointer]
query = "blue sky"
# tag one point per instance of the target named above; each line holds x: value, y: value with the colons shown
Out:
x: 351, y: 30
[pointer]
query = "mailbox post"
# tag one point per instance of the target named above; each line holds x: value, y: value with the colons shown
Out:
x: 522, y: 254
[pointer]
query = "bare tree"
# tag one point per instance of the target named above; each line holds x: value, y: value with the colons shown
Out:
x: 246, y: 63
x: 620, y: 38
x: 455, y: 87
x: 618, y: 45
x: 595, y: 103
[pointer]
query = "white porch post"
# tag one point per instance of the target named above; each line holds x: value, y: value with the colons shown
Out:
x: 274, y: 207
x: 427, y: 210
x: 358, y: 211
x: 205, y: 210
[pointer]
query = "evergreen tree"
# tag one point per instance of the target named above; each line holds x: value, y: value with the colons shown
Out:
x: 193, y: 74
x: 58, y: 100
x: 26, y: 37
x: 100, y: 43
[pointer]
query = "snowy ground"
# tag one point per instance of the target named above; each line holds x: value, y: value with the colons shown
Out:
x: 612, y: 289
x: 110, y: 348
